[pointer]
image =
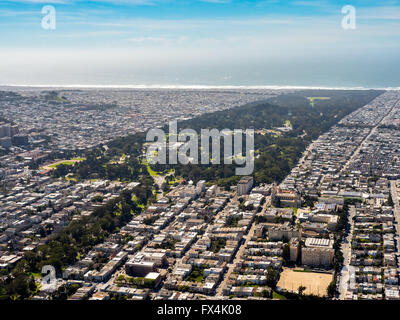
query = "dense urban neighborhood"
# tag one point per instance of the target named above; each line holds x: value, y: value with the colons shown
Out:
x: 328, y: 230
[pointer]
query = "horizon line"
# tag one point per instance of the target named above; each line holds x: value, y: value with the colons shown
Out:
x: 193, y: 87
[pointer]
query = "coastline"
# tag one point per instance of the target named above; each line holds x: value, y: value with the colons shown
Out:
x: 186, y: 87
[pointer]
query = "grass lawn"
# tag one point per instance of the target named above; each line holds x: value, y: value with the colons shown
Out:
x: 151, y: 172
x: 276, y: 295
x: 312, y: 100
x: 60, y: 99
x: 35, y: 275
x: 302, y: 270
x: 156, y: 194
x: 287, y: 123
x: 197, y: 275
x: 134, y: 199
x: 67, y: 163
x: 175, y: 180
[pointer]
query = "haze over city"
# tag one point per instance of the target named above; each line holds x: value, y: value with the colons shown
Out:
x: 162, y: 42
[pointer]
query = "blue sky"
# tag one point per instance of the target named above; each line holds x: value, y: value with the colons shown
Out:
x: 259, y: 42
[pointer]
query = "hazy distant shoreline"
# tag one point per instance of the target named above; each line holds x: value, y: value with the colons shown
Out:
x: 188, y: 87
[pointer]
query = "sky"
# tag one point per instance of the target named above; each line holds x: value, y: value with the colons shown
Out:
x: 200, y: 42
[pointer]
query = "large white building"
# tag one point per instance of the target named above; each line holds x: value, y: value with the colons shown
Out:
x: 285, y: 198
x: 283, y: 233
x: 317, y: 252
x: 244, y: 185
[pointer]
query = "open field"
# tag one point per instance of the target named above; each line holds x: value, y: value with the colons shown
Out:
x: 65, y: 162
x: 312, y: 99
x: 315, y: 283
x: 287, y: 123
x: 151, y: 172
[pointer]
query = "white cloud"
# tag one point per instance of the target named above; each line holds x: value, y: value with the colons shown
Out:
x: 379, y: 13
x: 310, y: 3
x: 216, y: 1
x: 13, y: 13
x: 130, y: 2
x: 41, y: 1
